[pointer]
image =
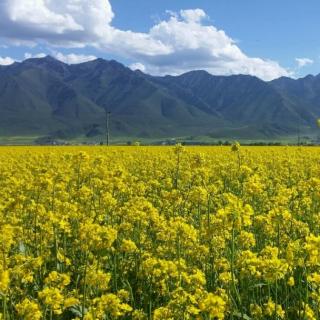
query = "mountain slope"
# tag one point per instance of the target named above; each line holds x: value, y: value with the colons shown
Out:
x: 138, y: 105
x: 304, y: 93
x: 35, y: 100
x: 47, y: 97
x: 240, y: 99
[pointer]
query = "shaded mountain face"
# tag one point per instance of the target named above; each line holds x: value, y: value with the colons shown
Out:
x: 303, y: 93
x: 239, y: 99
x: 47, y: 97
x: 34, y: 99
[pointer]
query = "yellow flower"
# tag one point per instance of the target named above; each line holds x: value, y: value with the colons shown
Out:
x: 225, y: 277
x: 95, y: 231
x: 98, y: 279
x: 246, y: 239
x: 138, y: 315
x: 4, y: 281
x: 162, y: 313
x: 291, y: 282
x: 312, y: 248
x: 235, y: 146
x: 256, y: 311
x: 128, y: 246
x: 70, y: 302
x: 270, y: 308
x: 112, y: 305
x: 307, y: 313
x: 314, y: 279
x: 29, y: 310
x: 52, y: 298
x: 58, y: 279
x: 213, y: 305
x: 6, y: 237
x: 93, y: 236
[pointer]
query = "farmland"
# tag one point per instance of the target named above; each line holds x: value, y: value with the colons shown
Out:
x: 159, y: 233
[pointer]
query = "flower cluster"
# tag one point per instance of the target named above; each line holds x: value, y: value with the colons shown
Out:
x: 159, y: 233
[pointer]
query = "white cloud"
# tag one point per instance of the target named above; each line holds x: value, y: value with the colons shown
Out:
x: 6, y: 61
x: 197, y: 46
x: 179, y: 44
x: 70, y: 58
x: 302, y: 62
x: 73, y: 58
x: 28, y: 55
x: 40, y: 13
x: 192, y: 15
x: 137, y: 66
x: 68, y: 22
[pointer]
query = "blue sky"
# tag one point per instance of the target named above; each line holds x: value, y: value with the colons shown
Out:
x: 263, y: 38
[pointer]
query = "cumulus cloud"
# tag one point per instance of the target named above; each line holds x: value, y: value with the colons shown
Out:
x: 67, y: 23
x: 29, y: 55
x: 73, y: 58
x: 181, y: 43
x: 198, y: 46
x: 195, y: 15
x: 137, y: 66
x: 6, y: 61
x: 70, y: 58
x: 302, y: 62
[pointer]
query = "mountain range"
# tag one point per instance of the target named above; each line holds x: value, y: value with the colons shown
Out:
x: 46, y: 97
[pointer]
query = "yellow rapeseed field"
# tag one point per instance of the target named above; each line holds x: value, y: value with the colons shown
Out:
x: 159, y: 233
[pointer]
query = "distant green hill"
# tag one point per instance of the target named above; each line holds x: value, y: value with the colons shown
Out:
x: 45, y: 97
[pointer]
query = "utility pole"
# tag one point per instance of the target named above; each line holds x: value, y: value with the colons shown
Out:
x: 108, y: 113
